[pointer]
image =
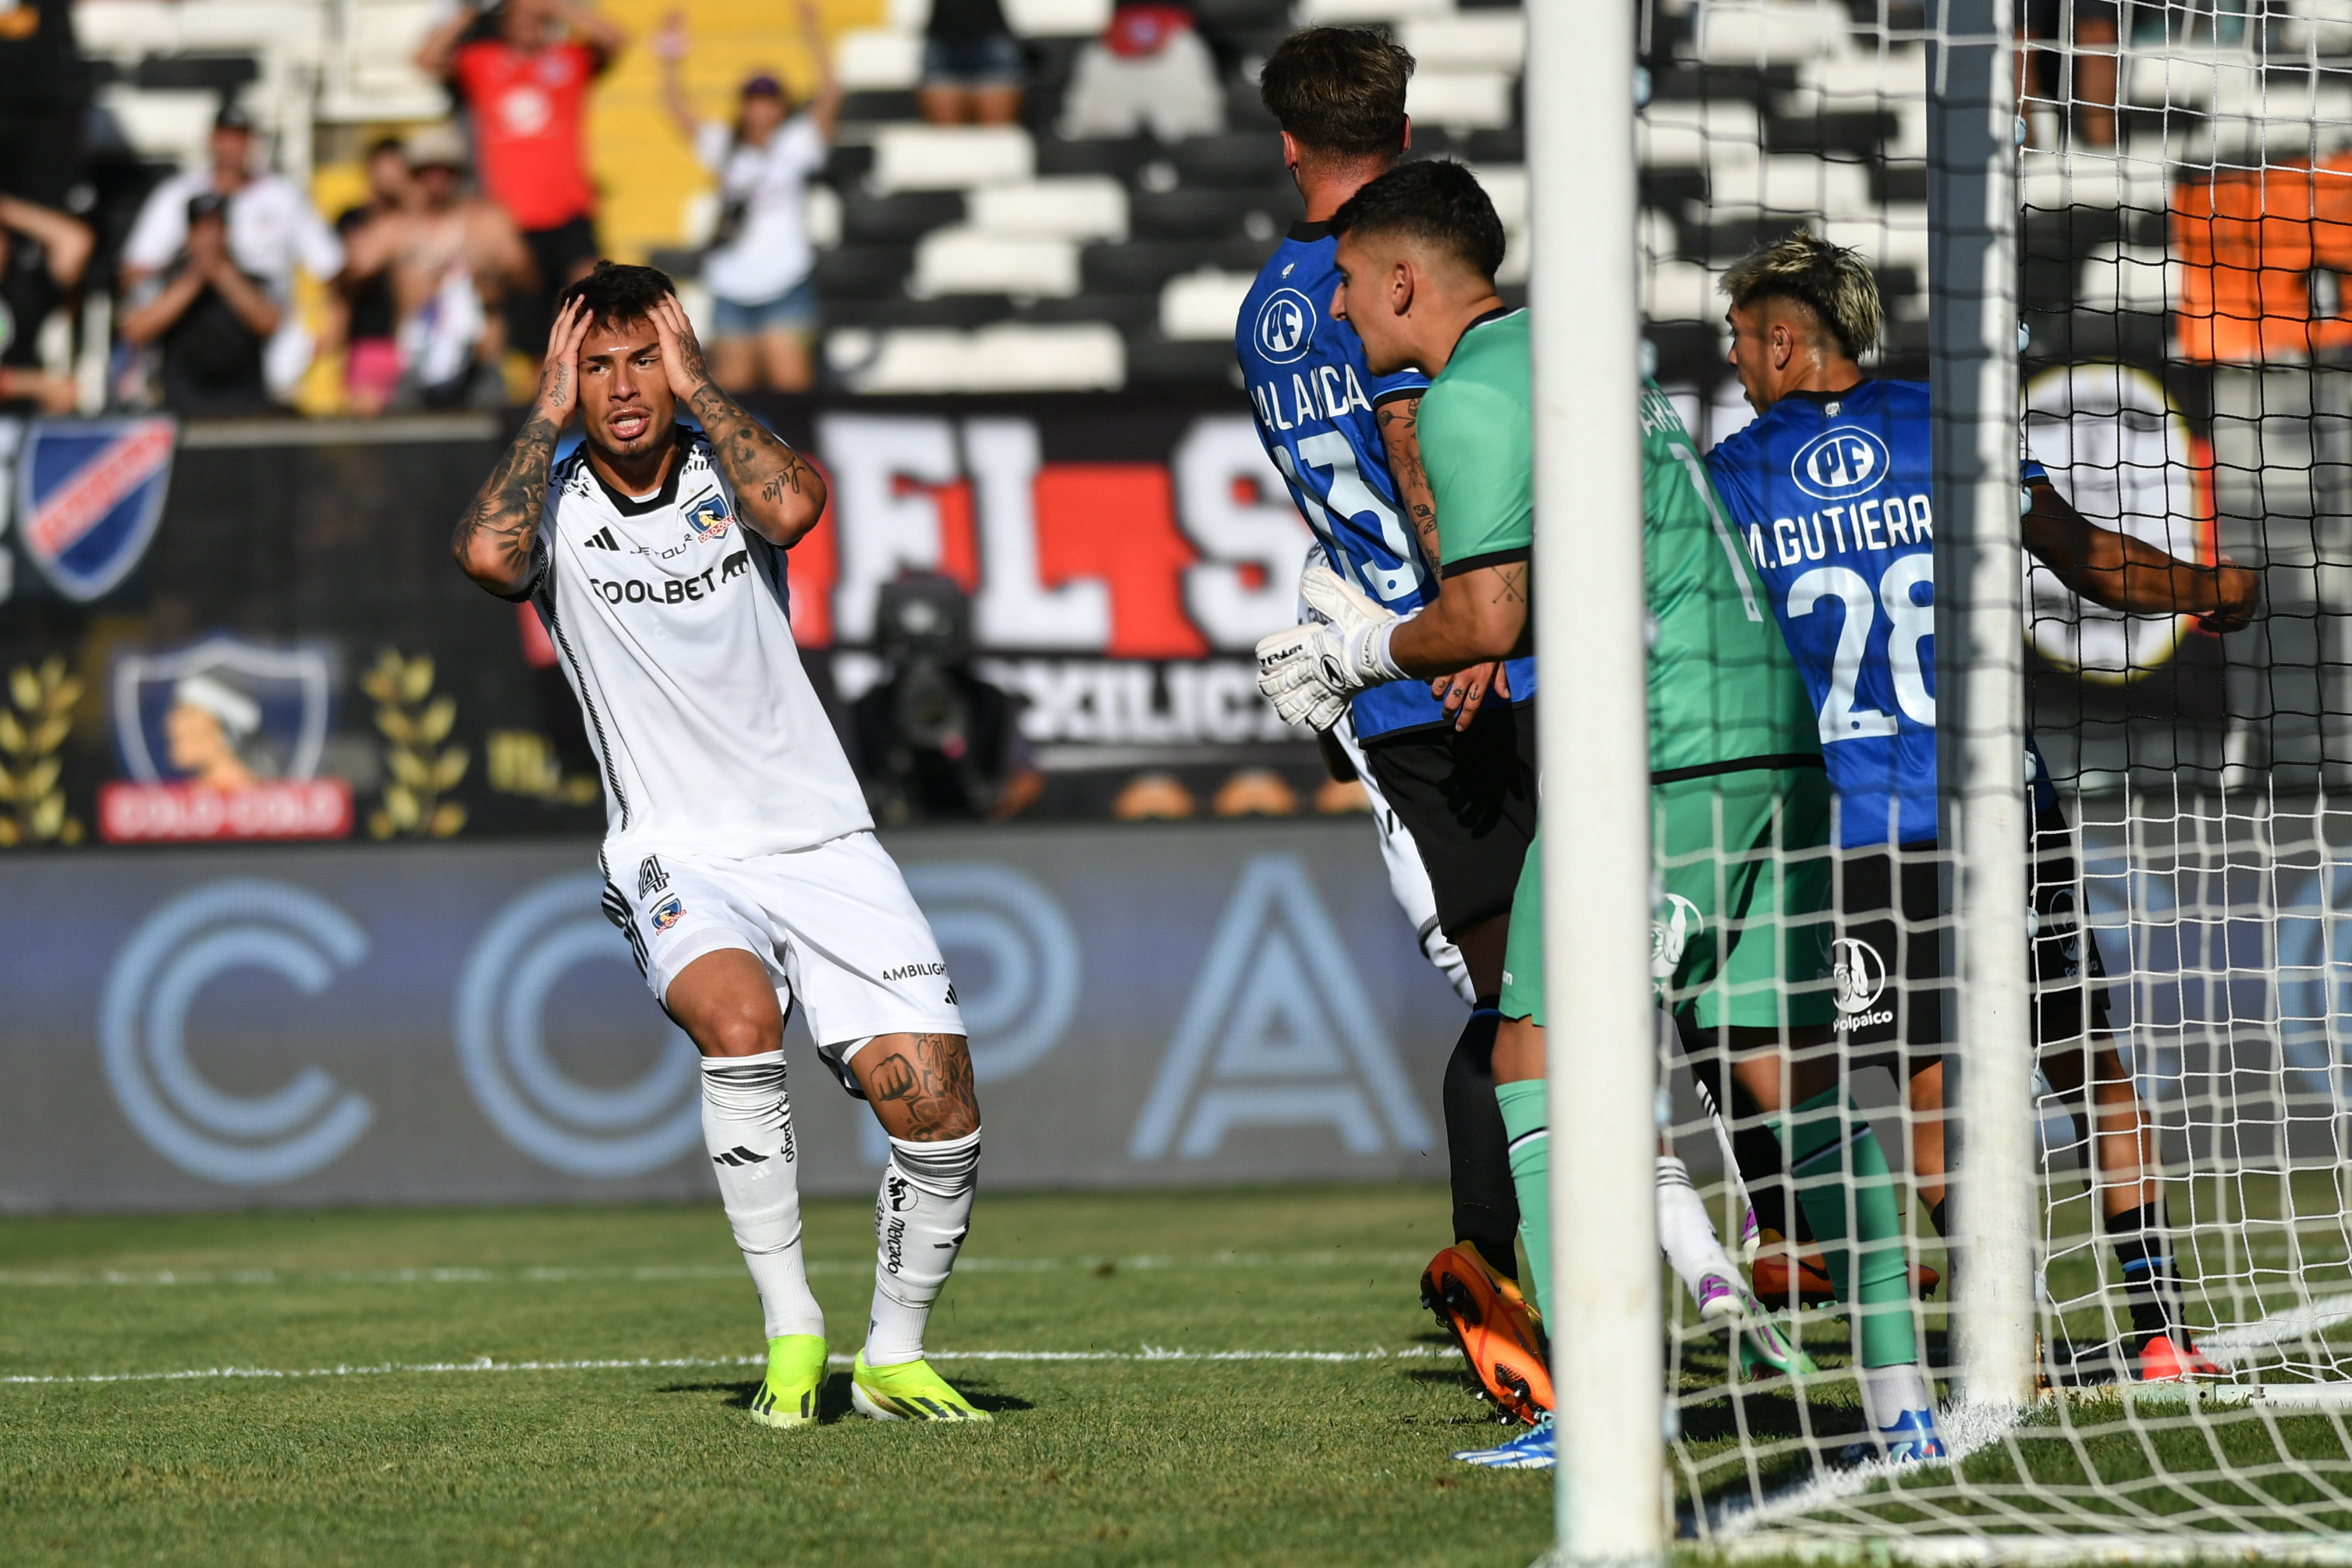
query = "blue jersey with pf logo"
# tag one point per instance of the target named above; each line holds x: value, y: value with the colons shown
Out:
x: 1831, y: 494
x: 1314, y: 398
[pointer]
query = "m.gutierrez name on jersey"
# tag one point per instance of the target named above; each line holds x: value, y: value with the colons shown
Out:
x: 1315, y: 402
x: 674, y: 625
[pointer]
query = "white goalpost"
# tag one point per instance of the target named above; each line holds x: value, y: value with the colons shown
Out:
x: 1609, y: 1504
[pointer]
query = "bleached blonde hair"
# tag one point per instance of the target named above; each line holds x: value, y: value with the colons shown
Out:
x: 1832, y: 282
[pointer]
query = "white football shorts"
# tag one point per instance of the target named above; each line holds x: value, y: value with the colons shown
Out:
x: 835, y: 925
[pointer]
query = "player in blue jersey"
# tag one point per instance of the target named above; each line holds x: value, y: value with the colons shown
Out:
x: 1830, y: 488
x: 1450, y: 764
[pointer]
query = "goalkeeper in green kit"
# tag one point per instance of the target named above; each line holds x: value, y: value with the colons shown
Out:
x: 1739, y: 801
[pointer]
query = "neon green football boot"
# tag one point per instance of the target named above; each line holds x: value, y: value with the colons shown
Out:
x: 795, y: 1371
x: 910, y: 1390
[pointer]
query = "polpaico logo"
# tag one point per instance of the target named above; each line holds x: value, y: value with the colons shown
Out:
x: 1859, y: 973
x: 194, y: 939
x: 586, y: 1130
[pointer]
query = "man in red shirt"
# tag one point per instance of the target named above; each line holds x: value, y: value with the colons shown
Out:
x: 527, y: 90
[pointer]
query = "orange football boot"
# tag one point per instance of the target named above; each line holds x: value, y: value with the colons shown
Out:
x: 1496, y: 1331
x: 1769, y: 1275
x: 2169, y: 1358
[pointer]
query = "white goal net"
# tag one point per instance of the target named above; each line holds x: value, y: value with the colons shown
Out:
x: 2183, y: 241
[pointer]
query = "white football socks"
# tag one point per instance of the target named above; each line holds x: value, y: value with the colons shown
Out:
x: 1887, y: 1392
x: 747, y: 1125
x: 919, y: 1220
x: 1685, y: 1233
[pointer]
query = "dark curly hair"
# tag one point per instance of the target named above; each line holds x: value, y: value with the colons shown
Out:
x: 1435, y: 201
x: 1338, y: 90
x: 615, y: 294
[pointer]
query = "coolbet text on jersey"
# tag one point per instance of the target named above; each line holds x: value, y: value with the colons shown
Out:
x: 672, y: 620
x: 1314, y: 399
x: 1830, y: 492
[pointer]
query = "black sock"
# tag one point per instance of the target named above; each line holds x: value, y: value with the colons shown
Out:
x: 1936, y: 1215
x: 1755, y: 1147
x: 2141, y: 1239
x: 1477, y: 1150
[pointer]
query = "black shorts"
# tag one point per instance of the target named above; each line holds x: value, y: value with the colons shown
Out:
x: 1469, y: 801
x: 1892, y: 961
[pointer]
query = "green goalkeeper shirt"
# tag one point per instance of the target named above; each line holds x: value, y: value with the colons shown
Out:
x: 1722, y: 687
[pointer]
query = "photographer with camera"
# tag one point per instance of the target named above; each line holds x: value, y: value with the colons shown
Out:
x: 935, y: 742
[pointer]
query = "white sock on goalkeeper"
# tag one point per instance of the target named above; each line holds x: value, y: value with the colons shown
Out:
x: 747, y: 1126
x: 919, y: 1220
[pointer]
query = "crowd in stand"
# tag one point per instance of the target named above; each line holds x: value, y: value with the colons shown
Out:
x: 468, y: 228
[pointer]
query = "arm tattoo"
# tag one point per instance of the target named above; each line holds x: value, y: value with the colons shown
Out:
x: 1511, y: 584
x: 753, y: 459
x: 932, y: 1083
x: 1399, y: 421
x: 506, y: 511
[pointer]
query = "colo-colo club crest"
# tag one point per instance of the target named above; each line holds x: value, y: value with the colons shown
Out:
x: 88, y: 496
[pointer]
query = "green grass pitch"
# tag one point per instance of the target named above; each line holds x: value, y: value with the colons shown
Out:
x: 1185, y: 1461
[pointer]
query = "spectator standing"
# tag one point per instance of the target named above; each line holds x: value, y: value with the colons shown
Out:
x: 973, y: 66
x: 2083, y: 80
x: 371, y: 357
x: 42, y: 255
x: 764, y: 305
x: 271, y: 228
x: 449, y: 260
x: 212, y: 319
x: 1147, y: 70
x: 526, y: 88
x: 43, y: 97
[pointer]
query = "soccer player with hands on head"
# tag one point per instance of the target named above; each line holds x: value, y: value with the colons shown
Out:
x: 738, y: 859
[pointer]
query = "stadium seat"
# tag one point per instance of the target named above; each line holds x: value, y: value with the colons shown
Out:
x: 902, y: 219
x: 1199, y: 214
x: 874, y: 61
x: 2118, y: 277
x: 951, y: 157
x: 1471, y: 40
x: 1343, y: 13
x: 1680, y: 291
x: 1768, y: 33
x: 1790, y: 184
x: 1460, y: 101
x: 1078, y: 207
x: 862, y: 271
x: 1234, y: 158
x: 1011, y: 357
x: 1201, y: 307
x: 1121, y: 158
x: 967, y: 260
x: 1057, y: 18
x: 1142, y: 267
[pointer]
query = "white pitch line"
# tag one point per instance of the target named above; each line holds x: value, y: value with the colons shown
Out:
x: 466, y: 1276
x: 485, y: 1363
x: 1965, y: 1428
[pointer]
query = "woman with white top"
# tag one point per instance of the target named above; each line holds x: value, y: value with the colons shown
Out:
x: 764, y: 311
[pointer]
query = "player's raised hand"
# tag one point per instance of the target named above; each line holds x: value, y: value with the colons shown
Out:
x: 681, y: 354
x: 559, y: 373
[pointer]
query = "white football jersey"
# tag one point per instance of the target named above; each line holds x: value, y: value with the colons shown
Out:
x: 670, y: 617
